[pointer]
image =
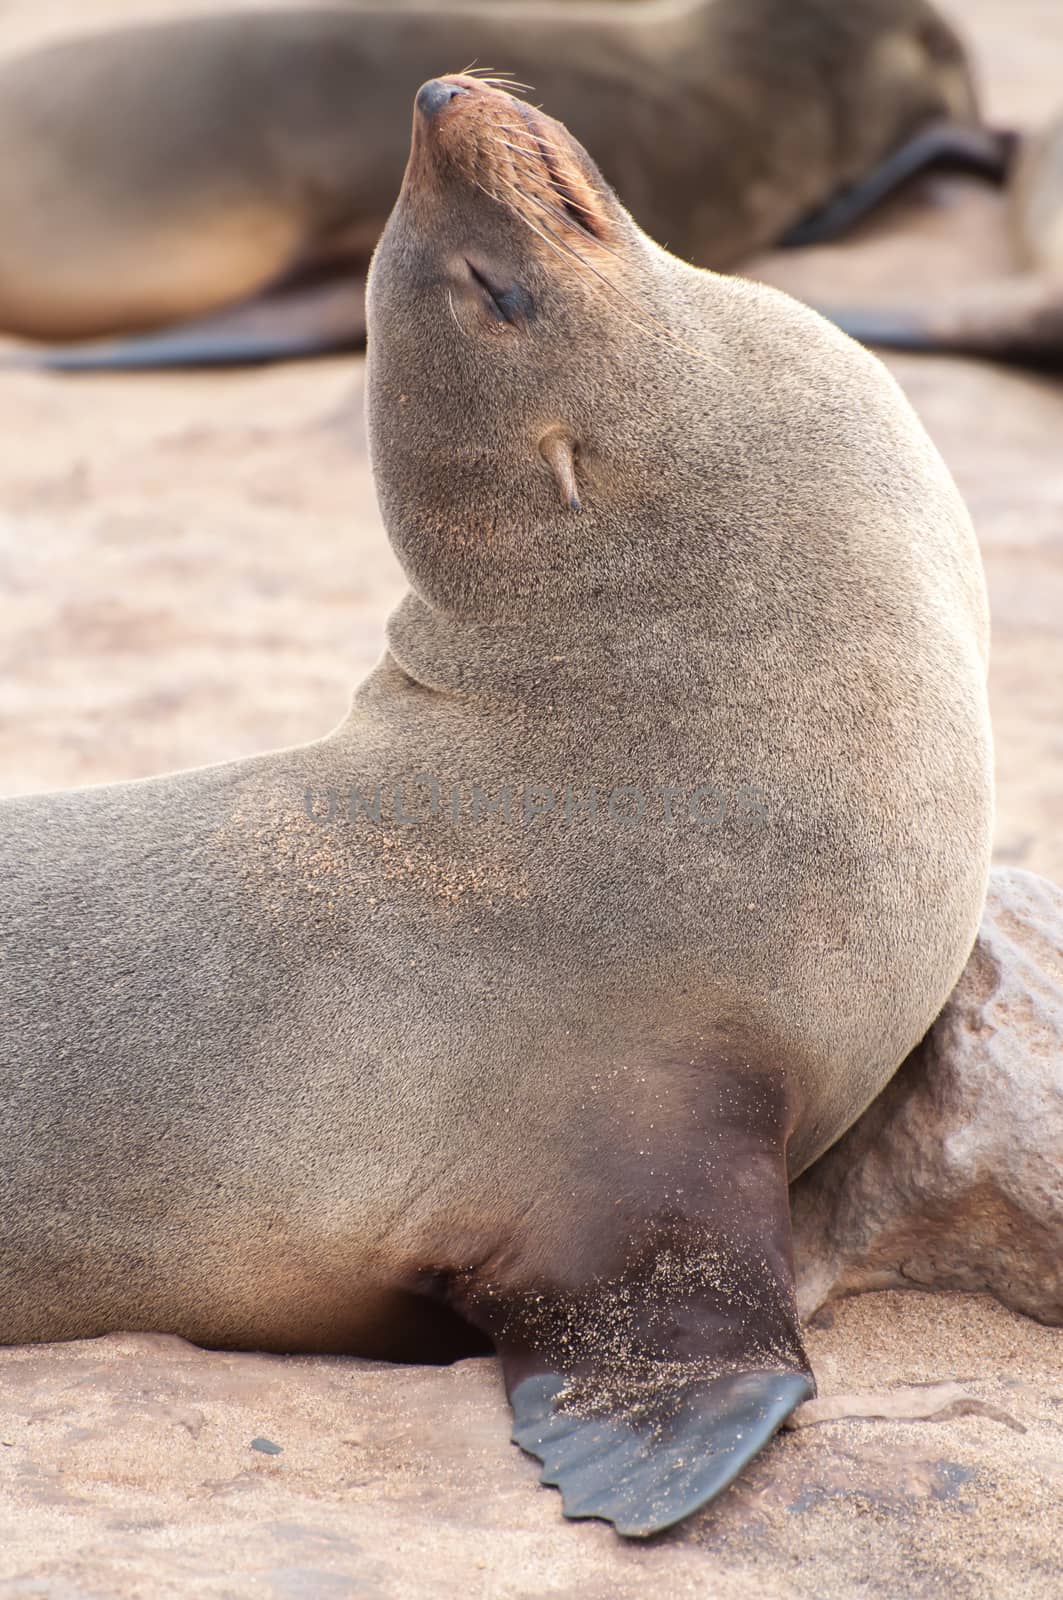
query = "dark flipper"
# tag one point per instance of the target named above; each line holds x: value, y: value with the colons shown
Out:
x: 941, y: 145
x: 645, y: 1471
x: 662, y: 1349
x: 287, y: 324
x: 1018, y: 320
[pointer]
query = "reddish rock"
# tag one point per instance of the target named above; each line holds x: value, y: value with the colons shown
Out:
x: 953, y: 1179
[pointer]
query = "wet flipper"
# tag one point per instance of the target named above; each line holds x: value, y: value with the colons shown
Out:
x: 654, y: 1347
x: 648, y: 1468
x: 287, y: 324
x: 946, y: 146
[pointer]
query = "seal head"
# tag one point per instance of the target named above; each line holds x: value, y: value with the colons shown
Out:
x: 488, y: 283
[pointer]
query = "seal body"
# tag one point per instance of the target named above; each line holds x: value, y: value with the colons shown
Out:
x: 164, y: 171
x: 652, y: 846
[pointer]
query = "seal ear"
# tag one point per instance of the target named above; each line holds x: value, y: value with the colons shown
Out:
x: 559, y: 453
x: 645, y: 1390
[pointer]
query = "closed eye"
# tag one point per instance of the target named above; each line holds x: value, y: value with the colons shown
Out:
x: 511, y: 302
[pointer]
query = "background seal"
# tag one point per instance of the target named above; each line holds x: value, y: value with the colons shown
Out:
x: 162, y: 173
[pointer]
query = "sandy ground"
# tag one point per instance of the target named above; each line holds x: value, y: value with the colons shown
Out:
x: 192, y: 568
x: 135, y: 1467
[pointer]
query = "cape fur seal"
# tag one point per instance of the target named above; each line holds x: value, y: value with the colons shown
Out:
x: 164, y: 171
x: 1017, y: 319
x: 649, y: 850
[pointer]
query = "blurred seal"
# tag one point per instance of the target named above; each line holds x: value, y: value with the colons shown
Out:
x: 234, y: 172
x: 1017, y: 319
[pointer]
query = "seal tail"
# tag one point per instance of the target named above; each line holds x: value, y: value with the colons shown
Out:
x: 1017, y: 320
x: 943, y: 145
x: 320, y: 319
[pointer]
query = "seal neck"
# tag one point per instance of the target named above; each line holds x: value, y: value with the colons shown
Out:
x: 592, y: 662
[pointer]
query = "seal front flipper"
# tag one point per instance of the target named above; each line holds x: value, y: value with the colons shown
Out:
x: 647, y: 1387
x: 285, y: 324
x: 941, y: 145
x: 646, y: 1467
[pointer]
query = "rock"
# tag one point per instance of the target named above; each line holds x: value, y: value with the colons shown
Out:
x: 924, y: 1402
x: 953, y: 1178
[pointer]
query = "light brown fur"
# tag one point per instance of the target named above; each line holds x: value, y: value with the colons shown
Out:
x: 282, y: 1072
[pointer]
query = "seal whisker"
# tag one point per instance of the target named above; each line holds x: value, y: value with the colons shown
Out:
x: 550, y: 158
x: 563, y: 246
x: 553, y: 239
x: 566, y: 215
x: 495, y: 79
x: 539, y: 146
x: 542, y: 142
x: 644, y: 320
x: 562, y: 217
x: 522, y: 150
x: 454, y: 314
x: 510, y: 85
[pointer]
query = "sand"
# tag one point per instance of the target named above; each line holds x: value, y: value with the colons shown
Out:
x: 129, y: 1467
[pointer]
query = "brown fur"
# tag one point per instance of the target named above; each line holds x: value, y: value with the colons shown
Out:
x: 281, y: 1063
x: 165, y: 170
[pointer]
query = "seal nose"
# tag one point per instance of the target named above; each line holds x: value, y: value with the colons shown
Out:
x: 434, y: 95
